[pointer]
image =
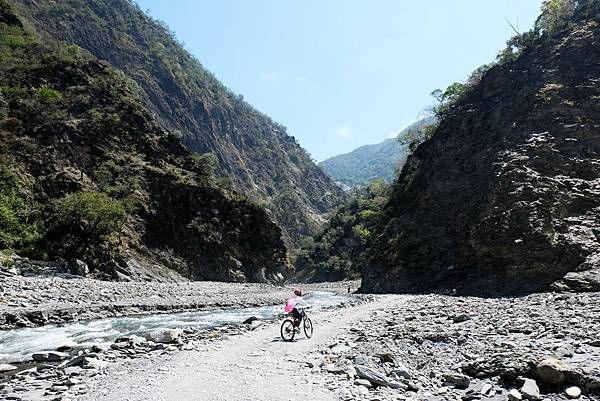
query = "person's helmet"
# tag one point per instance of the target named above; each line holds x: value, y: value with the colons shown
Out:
x: 297, y: 292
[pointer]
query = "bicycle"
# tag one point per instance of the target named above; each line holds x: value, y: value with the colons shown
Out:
x: 288, y: 330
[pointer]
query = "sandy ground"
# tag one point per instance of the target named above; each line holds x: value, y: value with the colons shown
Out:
x: 256, y: 366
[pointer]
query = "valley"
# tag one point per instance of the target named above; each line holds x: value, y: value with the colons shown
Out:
x: 153, y: 222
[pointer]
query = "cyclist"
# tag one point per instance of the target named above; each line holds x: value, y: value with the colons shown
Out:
x: 294, y: 306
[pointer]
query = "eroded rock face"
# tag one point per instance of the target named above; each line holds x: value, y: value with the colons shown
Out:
x: 505, y: 197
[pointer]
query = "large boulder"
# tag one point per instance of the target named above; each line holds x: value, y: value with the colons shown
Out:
x: 165, y: 336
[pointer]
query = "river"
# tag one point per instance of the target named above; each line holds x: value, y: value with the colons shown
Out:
x: 18, y: 345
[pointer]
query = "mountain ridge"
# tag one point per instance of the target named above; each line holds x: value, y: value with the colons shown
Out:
x: 371, y: 162
x: 254, y: 153
x: 87, y: 173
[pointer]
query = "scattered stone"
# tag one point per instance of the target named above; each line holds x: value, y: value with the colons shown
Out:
x: 553, y: 371
x: 594, y: 343
x: 4, y: 367
x: 401, y: 371
x: 461, y: 318
x: 250, y: 320
x: 573, y: 392
x: 514, y: 395
x: 93, y: 363
x: 371, y: 375
x: 363, y: 382
x: 457, y: 379
x: 164, y: 337
x: 334, y: 369
x: 530, y: 390
x: 51, y: 356
x: 387, y: 357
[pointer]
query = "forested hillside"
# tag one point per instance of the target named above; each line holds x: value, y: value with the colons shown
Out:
x: 255, y: 154
x: 368, y: 163
x: 87, y: 172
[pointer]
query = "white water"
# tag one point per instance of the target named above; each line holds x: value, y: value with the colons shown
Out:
x: 18, y: 345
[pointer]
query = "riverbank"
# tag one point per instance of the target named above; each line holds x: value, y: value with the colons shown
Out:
x: 32, y: 301
x: 397, y: 347
x: 430, y: 347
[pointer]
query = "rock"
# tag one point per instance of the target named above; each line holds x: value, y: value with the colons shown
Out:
x: 51, y: 356
x: 250, y: 320
x: 387, y: 357
x: 371, y: 375
x: 458, y: 379
x: 256, y: 324
x: 360, y: 359
x: 402, y: 372
x: 486, y: 388
x: 530, y: 390
x: 331, y: 368
x: 4, y: 367
x: 363, y: 382
x: 553, y: 371
x: 573, y: 392
x: 461, y: 318
x: 514, y: 395
x: 340, y: 349
x: 78, y: 267
x: 94, y: 363
x: 164, y: 337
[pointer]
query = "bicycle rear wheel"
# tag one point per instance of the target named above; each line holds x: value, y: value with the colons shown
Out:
x: 308, y: 327
x: 287, y: 330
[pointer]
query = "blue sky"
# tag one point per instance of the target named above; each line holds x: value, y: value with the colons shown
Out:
x: 342, y: 73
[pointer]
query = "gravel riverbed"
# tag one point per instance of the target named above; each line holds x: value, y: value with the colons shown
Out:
x: 538, y: 347
x: 29, y: 301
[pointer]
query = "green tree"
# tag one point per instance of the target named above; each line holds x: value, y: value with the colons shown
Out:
x: 92, y: 213
x: 554, y: 15
x: 16, y: 229
x: 205, y: 163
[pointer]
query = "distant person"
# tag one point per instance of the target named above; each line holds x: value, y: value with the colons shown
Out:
x: 294, y: 304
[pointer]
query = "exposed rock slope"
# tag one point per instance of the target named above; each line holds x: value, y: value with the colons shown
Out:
x: 72, y: 129
x: 505, y: 197
x: 257, y: 154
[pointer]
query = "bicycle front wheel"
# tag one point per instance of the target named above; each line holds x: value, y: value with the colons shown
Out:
x: 287, y: 330
x: 308, y: 327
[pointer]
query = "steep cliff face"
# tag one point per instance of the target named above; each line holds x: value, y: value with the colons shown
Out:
x: 257, y: 154
x: 86, y: 172
x: 505, y: 198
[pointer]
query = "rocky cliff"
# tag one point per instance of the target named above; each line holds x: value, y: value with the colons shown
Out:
x: 86, y: 172
x: 505, y: 197
x: 254, y: 152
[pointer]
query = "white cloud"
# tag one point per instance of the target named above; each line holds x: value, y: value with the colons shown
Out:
x: 301, y: 79
x: 272, y: 76
x: 343, y: 133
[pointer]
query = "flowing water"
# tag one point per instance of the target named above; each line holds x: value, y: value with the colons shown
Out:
x: 18, y: 345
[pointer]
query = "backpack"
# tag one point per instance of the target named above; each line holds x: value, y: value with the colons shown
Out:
x: 289, y: 305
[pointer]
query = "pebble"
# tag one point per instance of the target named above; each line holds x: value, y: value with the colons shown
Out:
x: 530, y: 390
x: 573, y: 392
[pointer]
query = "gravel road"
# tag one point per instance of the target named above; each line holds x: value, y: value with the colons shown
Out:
x: 255, y: 366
